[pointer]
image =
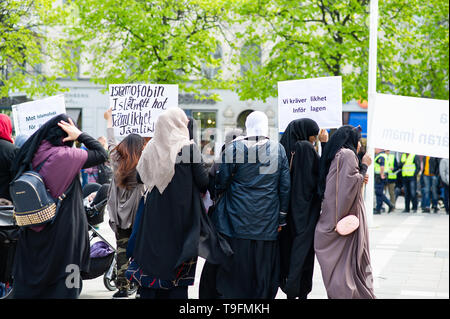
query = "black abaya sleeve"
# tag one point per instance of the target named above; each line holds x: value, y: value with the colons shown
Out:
x: 96, y: 153
x: 199, y: 170
x: 304, y: 174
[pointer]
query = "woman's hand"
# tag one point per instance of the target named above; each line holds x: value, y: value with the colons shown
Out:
x: 366, y: 160
x: 108, y: 114
x: 72, y: 131
x: 366, y: 179
x: 108, y: 117
x: 323, y: 136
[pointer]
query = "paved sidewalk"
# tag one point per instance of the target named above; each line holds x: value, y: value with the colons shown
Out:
x: 409, y: 255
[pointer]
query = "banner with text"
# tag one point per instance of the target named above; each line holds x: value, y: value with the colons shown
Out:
x: 319, y: 99
x: 136, y: 107
x: 30, y: 116
x: 412, y: 125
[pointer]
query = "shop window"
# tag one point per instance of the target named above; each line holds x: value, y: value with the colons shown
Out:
x: 204, y: 131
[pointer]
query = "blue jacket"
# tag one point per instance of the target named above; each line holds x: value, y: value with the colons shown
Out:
x: 254, y: 181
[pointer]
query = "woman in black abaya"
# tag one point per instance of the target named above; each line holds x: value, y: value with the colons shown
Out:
x: 50, y: 258
x: 173, y: 230
x: 297, y: 237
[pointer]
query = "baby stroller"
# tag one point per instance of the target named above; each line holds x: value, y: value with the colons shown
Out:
x: 9, y: 235
x: 103, y: 254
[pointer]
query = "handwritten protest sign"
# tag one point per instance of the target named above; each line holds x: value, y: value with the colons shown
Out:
x: 136, y: 107
x: 319, y: 99
x: 30, y: 116
x: 412, y: 125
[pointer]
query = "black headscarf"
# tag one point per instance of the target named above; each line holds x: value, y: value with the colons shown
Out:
x: 298, y: 130
x: 50, y: 132
x: 346, y: 136
x: 193, y: 129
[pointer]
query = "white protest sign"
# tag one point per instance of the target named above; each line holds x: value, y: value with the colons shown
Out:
x: 319, y: 99
x: 30, y: 116
x: 411, y: 125
x: 136, y: 107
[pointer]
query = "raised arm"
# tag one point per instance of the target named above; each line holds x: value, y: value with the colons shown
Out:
x: 96, y: 153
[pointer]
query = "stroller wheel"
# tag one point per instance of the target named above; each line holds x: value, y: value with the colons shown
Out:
x: 110, y: 283
x: 5, y: 291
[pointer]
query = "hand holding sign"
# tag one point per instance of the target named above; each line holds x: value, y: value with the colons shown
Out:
x: 108, y: 114
x: 323, y: 136
x: 366, y: 160
x: 108, y: 117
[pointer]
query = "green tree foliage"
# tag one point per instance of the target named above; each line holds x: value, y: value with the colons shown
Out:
x: 28, y: 41
x: 306, y: 39
x: 413, y: 51
x: 160, y: 41
x: 172, y: 41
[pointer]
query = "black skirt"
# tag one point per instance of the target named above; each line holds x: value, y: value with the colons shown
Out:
x: 252, y: 272
x: 45, y: 260
x: 58, y: 290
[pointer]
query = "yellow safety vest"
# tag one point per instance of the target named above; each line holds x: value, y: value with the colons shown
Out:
x: 376, y: 166
x: 390, y: 166
x: 409, y: 167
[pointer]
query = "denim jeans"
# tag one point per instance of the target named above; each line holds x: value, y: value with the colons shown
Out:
x: 379, y: 193
x: 410, y: 184
x: 446, y: 197
x: 429, y: 183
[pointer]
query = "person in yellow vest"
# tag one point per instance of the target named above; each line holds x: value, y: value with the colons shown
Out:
x: 410, y: 165
x: 391, y: 168
x: 381, y: 180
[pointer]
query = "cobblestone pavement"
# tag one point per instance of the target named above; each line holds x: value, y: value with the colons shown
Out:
x: 409, y: 256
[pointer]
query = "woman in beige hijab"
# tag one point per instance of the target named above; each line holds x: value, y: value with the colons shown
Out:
x: 166, y: 248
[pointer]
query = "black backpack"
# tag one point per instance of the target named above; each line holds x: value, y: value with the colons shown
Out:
x: 33, y: 204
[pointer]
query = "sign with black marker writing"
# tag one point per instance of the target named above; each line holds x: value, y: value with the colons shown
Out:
x: 136, y: 107
x: 319, y: 99
x: 30, y: 116
x: 411, y: 125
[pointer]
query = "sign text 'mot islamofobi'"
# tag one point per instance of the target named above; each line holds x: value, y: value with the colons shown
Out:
x: 30, y: 116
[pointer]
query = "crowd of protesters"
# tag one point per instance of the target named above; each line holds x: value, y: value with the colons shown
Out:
x: 275, y: 207
x: 412, y: 176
